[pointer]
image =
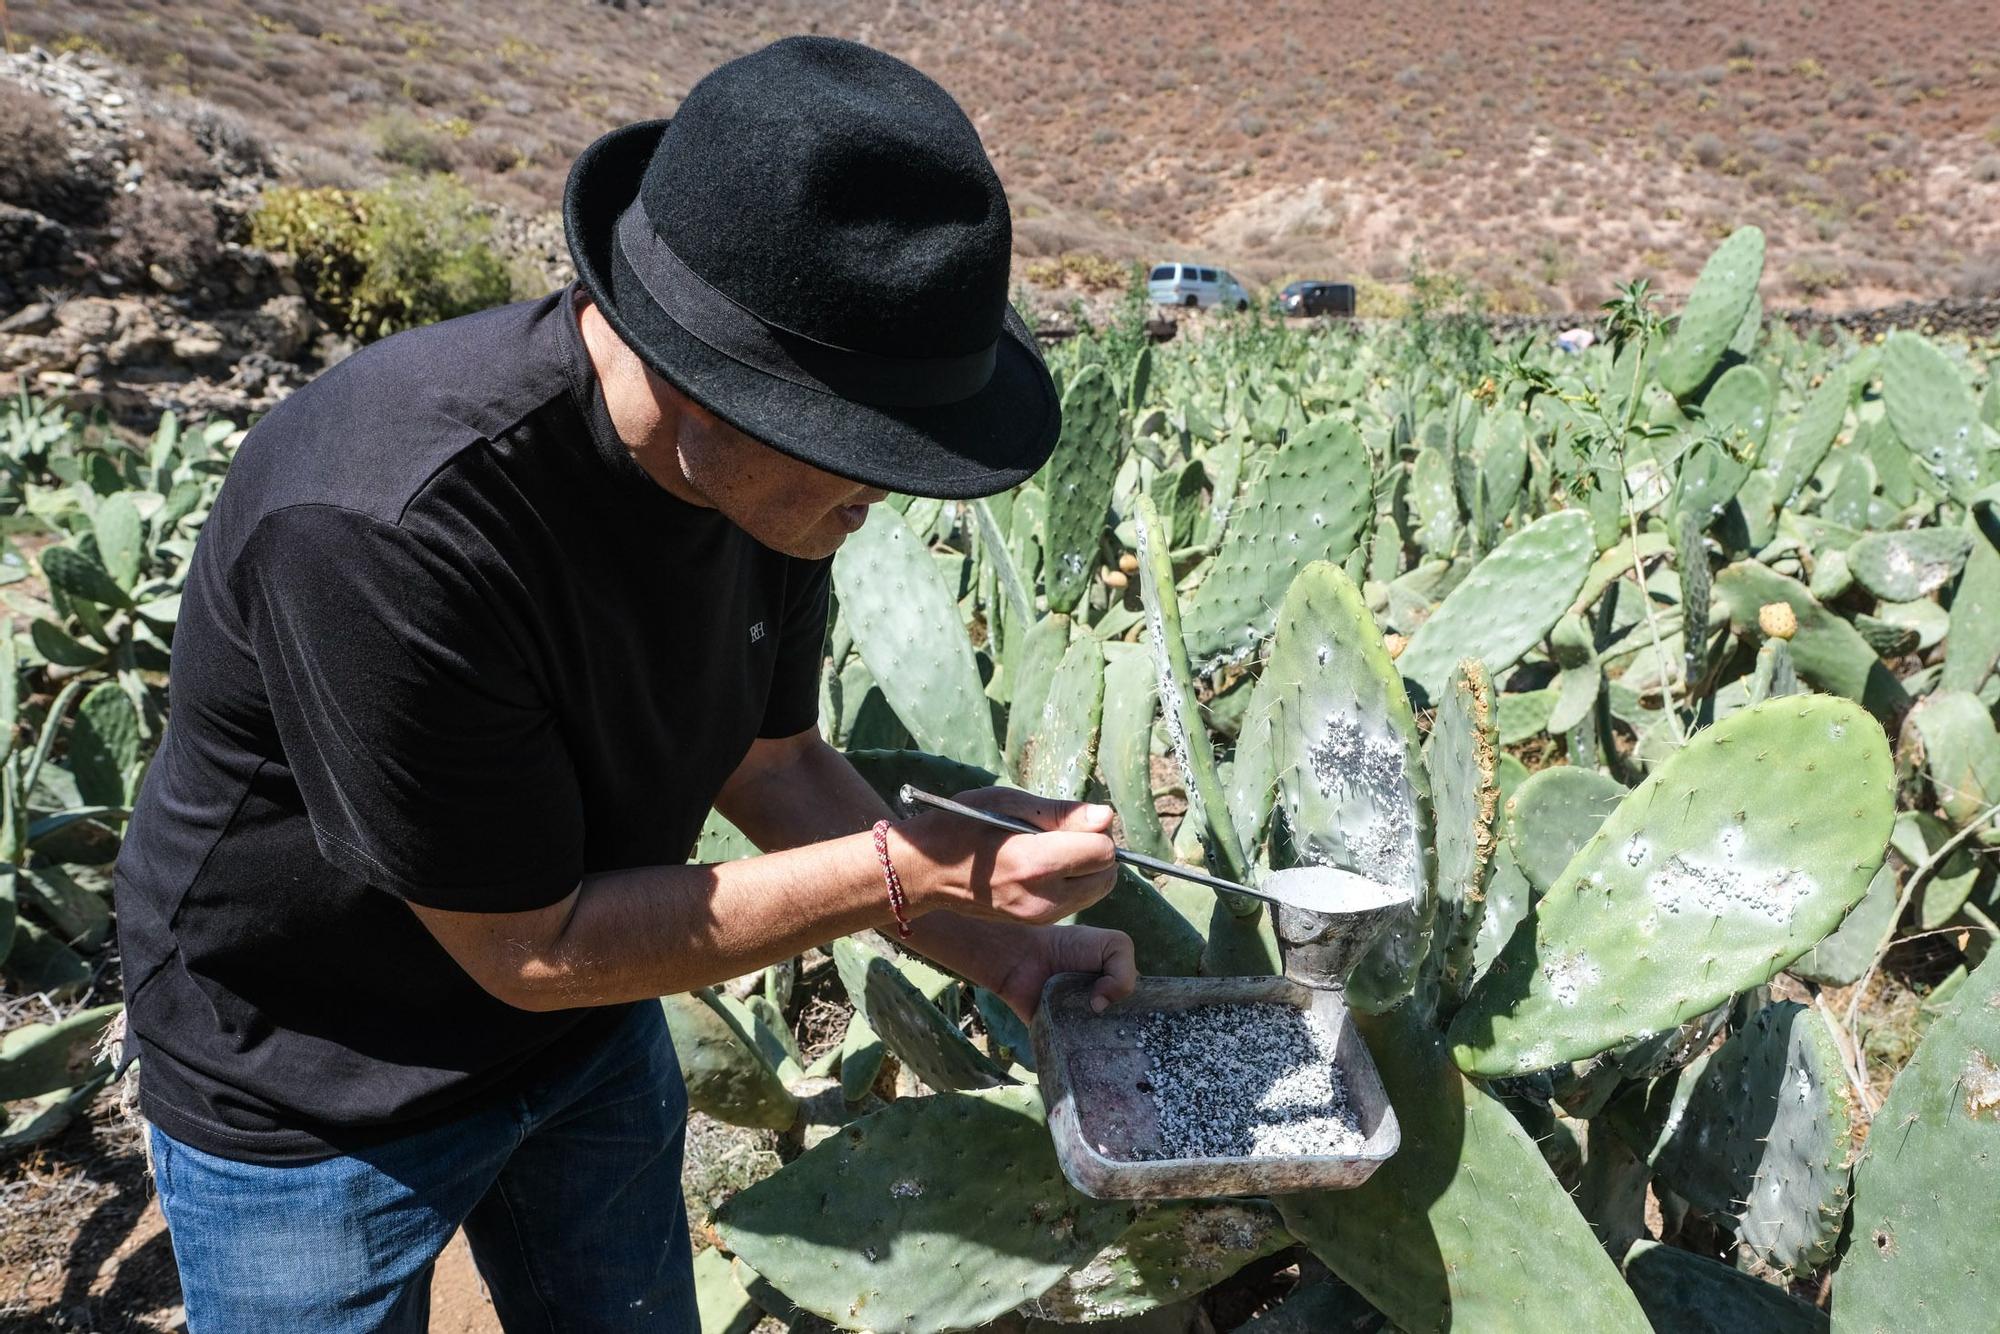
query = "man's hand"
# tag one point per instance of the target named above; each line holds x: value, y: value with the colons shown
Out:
x: 950, y: 862
x: 1020, y: 960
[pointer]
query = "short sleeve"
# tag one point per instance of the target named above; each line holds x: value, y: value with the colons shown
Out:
x: 793, y: 705
x: 428, y: 760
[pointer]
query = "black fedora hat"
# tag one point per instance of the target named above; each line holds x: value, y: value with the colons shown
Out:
x: 815, y: 248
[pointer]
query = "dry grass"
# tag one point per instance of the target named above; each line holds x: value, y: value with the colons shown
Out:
x: 1522, y: 145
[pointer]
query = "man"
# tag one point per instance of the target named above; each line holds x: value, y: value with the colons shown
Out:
x: 484, y: 621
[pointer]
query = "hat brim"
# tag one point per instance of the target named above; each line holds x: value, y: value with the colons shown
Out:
x: 981, y: 445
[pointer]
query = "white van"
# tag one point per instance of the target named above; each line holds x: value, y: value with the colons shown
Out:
x: 1175, y: 284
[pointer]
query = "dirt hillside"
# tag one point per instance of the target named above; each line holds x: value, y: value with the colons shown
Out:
x: 1542, y: 150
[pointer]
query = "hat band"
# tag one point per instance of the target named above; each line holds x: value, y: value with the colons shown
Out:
x: 713, y: 318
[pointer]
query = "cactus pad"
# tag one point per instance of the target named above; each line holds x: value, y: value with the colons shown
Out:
x: 1933, y: 414
x: 727, y: 1077
x: 1737, y: 855
x: 1078, y: 479
x: 1310, y: 503
x: 1350, y: 780
x: 1459, y: 757
x: 1917, y: 1259
x: 1170, y: 1253
x: 1466, y: 1228
x: 1906, y: 564
x: 915, y: 1030
x: 1972, y: 643
x: 1124, y: 754
x: 1508, y: 602
x: 1060, y: 753
x: 1722, y: 294
x: 1208, y: 805
x: 907, y: 628
x: 1553, y: 814
x: 1828, y: 652
x: 42, y: 1058
x: 1685, y: 1293
x: 933, y: 1214
x: 1764, y: 1139
x: 1949, y: 738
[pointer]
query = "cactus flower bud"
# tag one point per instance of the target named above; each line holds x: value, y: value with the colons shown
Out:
x: 1128, y: 563
x: 1113, y: 578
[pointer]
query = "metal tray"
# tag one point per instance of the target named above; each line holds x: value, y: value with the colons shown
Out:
x: 1101, y: 1120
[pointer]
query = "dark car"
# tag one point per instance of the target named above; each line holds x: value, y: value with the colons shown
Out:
x: 1312, y: 298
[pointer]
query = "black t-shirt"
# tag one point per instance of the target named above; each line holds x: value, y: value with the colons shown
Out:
x: 443, y: 641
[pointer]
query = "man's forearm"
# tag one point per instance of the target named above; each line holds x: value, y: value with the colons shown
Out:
x: 652, y: 931
x: 821, y: 796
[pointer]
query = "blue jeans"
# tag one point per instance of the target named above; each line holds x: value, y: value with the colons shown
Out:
x: 569, y: 1193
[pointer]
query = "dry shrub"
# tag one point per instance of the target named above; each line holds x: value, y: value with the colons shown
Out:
x: 1978, y: 276
x: 1092, y: 273
x: 162, y: 225
x: 402, y: 139
x: 35, y: 170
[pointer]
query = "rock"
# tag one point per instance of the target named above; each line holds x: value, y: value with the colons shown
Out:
x: 196, y: 347
x: 30, y: 354
x: 30, y: 240
x: 91, y: 318
x: 55, y: 380
x: 38, y: 317
x: 163, y: 278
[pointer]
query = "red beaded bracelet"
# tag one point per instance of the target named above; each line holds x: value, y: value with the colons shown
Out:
x: 897, y: 903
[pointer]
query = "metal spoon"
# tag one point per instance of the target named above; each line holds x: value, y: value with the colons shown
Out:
x: 1327, y: 919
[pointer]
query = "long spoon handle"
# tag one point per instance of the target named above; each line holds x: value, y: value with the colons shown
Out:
x: 913, y: 796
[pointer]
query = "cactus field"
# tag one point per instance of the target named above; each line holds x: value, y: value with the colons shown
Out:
x: 1663, y: 672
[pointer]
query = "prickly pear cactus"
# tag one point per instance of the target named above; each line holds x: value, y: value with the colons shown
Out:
x: 1765, y: 1137
x: 1459, y: 757
x: 1949, y: 739
x: 1907, y: 564
x: 1933, y: 414
x: 1032, y: 660
x: 1581, y: 676
x: 933, y: 1214
x: 1435, y: 500
x: 1131, y: 699
x: 1685, y: 1293
x: 1827, y: 650
x: 1811, y: 437
x: 1350, y: 781
x: 861, y: 1057
x: 1078, y: 478
x: 1842, y: 958
x: 1914, y: 1260
x: 1061, y: 752
x: 1466, y: 1228
x: 1715, y: 309
x: 911, y: 1027
x: 1169, y: 1251
x: 42, y: 1058
x: 907, y: 629
x: 1310, y: 503
x: 1509, y: 601
x: 727, y: 1077
x: 1208, y: 806
x: 722, y: 1304
x: 1972, y: 641
x: 1737, y: 855
x: 1553, y: 814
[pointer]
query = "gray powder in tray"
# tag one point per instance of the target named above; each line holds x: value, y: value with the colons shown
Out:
x: 1245, y: 1081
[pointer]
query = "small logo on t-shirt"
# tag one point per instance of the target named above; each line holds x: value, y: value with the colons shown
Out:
x: 757, y: 632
